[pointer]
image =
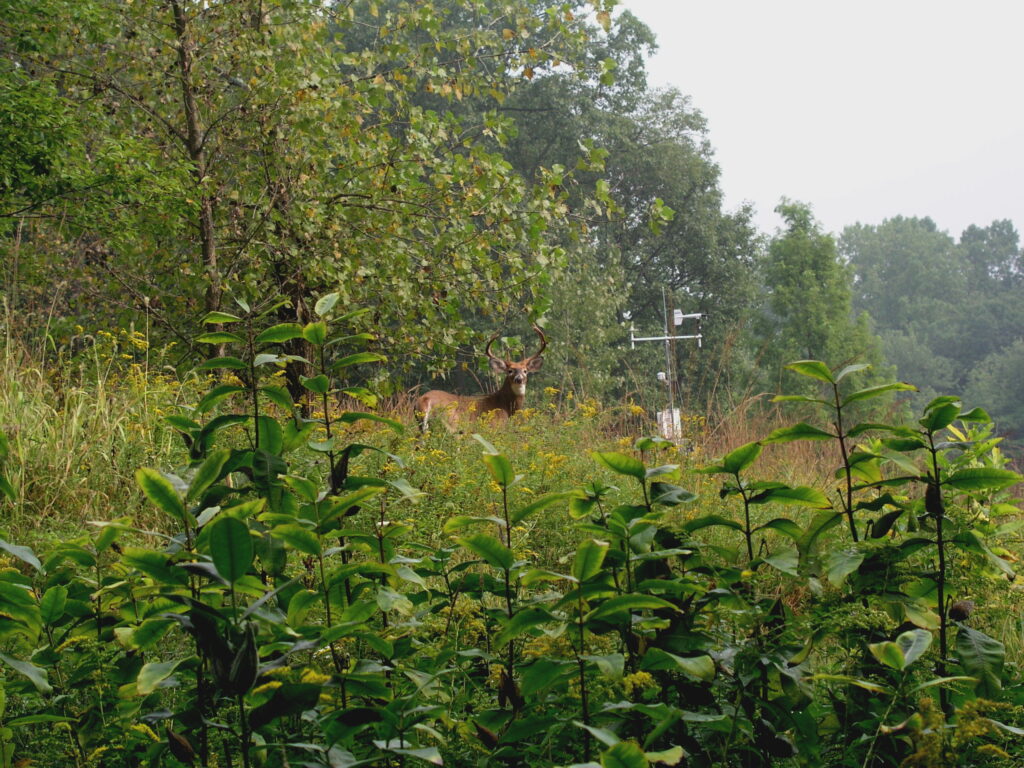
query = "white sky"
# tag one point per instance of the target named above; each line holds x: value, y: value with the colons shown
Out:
x: 864, y: 109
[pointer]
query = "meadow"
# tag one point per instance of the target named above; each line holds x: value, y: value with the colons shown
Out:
x: 200, y: 570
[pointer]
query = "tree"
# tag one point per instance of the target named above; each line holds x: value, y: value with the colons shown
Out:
x: 259, y: 148
x: 808, y: 302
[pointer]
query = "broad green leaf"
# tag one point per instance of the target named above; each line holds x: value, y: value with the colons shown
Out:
x: 801, y: 496
x: 869, y: 392
x: 7, y: 489
x: 669, y: 495
x: 536, y: 506
x: 220, y: 317
x: 800, y: 399
x: 316, y: 384
x: 710, y: 520
x: 814, y: 369
x: 799, y: 431
x: 326, y: 303
x: 298, y: 537
x: 158, y: 489
x: 785, y: 560
x: 492, y: 551
x: 889, y: 653
x: 219, y: 337
x: 603, y: 735
x: 25, y: 554
x: 621, y: 463
x: 941, y: 416
x: 358, y: 358
x: 784, y: 526
x: 978, y: 653
x: 230, y: 548
x: 982, y: 479
x: 270, y: 435
x: 628, y: 604
x: 913, y: 644
x: 612, y: 665
x: 279, y: 396
x: 208, y: 473
x: 625, y: 754
x: 851, y: 369
x: 280, y: 333
x: 51, y: 604
x: 362, y: 394
x: 672, y: 756
x: 153, y: 674
x: 736, y: 461
x: 521, y: 622
x: 842, y: 562
x: 215, y: 396
x: 315, y: 333
x: 867, y: 685
x: 36, y: 674
x: 589, y: 559
x: 500, y: 469
x: 700, y: 668
x: 216, y: 363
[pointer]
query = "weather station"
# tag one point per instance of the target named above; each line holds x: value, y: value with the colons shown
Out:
x: 669, y: 420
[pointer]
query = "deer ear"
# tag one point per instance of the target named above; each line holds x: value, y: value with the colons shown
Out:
x: 535, y: 364
x: 498, y: 365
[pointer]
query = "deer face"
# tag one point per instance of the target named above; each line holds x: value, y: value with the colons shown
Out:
x: 517, y: 373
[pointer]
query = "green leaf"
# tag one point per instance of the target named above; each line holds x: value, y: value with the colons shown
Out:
x: 326, y: 303
x: 842, y: 562
x: 784, y: 526
x: 153, y: 674
x: 280, y: 333
x: 589, y: 559
x: 708, y: 521
x: 351, y: 417
x: 52, y: 603
x: 208, y: 473
x: 216, y: 363
x: 316, y: 384
x: 801, y: 496
x: 913, y: 644
x: 625, y: 754
x: 36, y: 674
x: 669, y: 495
x: 814, y: 369
x: 315, y: 333
x: 799, y: 431
x: 358, y: 358
x: 220, y: 317
x: 941, y: 416
x: 488, y: 548
x: 620, y: 463
x: 700, y: 668
x: 867, y: 685
x: 24, y: 554
x: 785, y: 560
x: 230, y: 548
x: 536, y: 506
x: 215, y: 396
x: 980, y: 654
x: 158, y: 489
x: 500, y: 469
x: 888, y: 653
x: 521, y: 622
x: 869, y: 392
x: 736, y: 461
x: 624, y: 604
x: 851, y: 369
x: 982, y: 479
x: 298, y: 537
x: 279, y: 396
x: 219, y: 337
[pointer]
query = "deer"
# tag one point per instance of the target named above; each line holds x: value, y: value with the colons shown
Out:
x: 503, y: 403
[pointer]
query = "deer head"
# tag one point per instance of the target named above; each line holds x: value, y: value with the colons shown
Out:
x: 503, y: 403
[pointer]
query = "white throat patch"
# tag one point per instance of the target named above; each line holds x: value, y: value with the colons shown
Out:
x: 519, y: 389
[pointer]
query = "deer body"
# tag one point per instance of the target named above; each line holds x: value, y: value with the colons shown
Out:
x: 503, y: 403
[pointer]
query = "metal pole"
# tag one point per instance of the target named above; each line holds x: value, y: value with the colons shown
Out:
x: 668, y: 356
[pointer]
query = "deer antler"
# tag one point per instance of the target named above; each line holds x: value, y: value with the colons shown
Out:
x: 543, y: 341
x: 487, y: 349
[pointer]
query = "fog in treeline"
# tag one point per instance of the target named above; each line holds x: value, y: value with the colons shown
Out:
x: 456, y: 168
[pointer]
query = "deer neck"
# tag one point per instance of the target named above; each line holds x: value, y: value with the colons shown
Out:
x: 509, y: 398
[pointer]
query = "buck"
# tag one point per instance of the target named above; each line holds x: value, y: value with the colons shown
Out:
x: 503, y: 403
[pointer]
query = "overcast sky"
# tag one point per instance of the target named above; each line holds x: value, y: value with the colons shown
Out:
x: 865, y: 109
